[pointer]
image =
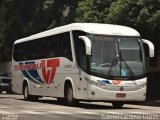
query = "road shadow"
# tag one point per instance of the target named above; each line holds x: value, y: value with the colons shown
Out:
x: 146, y: 103
x: 6, y: 95
x: 84, y: 105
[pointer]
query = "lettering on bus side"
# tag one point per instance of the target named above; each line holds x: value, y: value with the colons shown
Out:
x: 47, y: 67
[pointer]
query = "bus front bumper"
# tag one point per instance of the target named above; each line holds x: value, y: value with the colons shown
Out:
x: 98, y: 94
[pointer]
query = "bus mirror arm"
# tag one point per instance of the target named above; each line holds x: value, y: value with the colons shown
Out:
x: 151, y: 47
x: 87, y: 44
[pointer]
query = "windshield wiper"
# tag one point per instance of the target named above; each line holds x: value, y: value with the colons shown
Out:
x: 122, y: 60
x: 132, y: 73
x: 116, y: 60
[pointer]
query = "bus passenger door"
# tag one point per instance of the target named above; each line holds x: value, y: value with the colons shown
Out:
x: 83, y: 85
x: 81, y: 59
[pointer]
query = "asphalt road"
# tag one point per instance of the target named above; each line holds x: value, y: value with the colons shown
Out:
x: 13, y: 107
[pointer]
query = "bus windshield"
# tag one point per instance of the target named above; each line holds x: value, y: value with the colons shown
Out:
x: 116, y: 56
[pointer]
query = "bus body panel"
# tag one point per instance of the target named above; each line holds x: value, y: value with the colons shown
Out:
x: 39, y: 76
x: 103, y: 95
x: 84, y: 85
x: 94, y: 28
x: 47, y: 77
x: 17, y: 80
x: 109, y: 89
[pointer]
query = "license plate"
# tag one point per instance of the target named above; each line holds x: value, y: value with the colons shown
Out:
x: 120, y: 95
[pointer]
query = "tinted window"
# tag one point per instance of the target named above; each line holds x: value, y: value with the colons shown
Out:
x: 48, y: 47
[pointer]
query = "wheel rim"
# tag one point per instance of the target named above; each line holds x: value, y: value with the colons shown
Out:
x: 70, y: 95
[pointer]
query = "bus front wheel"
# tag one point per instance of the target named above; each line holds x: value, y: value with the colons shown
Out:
x: 61, y: 100
x: 117, y: 104
x: 69, y: 98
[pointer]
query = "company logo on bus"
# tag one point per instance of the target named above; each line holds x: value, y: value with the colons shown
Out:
x: 31, y: 70
x: 116, y: 82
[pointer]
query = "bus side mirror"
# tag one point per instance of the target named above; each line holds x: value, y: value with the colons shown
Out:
x: 151, y: 47
x: 87, y: 44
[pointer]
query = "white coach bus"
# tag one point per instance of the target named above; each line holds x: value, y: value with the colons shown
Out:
x: 82, y: 62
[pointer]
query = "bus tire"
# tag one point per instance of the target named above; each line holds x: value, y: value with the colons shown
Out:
x: 26, y: 95
x: 117, y: 104
x: 69, y: 98
x: 61, y: 100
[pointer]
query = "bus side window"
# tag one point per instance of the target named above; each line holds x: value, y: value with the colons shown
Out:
x: 19, y: 53
x: 64, y: 45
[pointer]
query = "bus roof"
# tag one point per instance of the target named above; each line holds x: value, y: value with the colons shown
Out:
x: 92, y: 28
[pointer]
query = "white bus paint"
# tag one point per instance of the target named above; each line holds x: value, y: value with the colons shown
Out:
x: 94, y: 62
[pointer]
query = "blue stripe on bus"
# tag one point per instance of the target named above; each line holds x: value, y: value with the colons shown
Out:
x: 32, y: 74
x: 104, y: 81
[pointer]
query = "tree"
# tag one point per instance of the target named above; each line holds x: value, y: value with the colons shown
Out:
x: 21, y: 18
x: 92, y: 10
x: 140, y: 14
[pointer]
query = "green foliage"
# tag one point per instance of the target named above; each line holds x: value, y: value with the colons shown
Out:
x: 92, y: 11
x: 124, y: 12
x: 142, y: 15
x: 21, y: 18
